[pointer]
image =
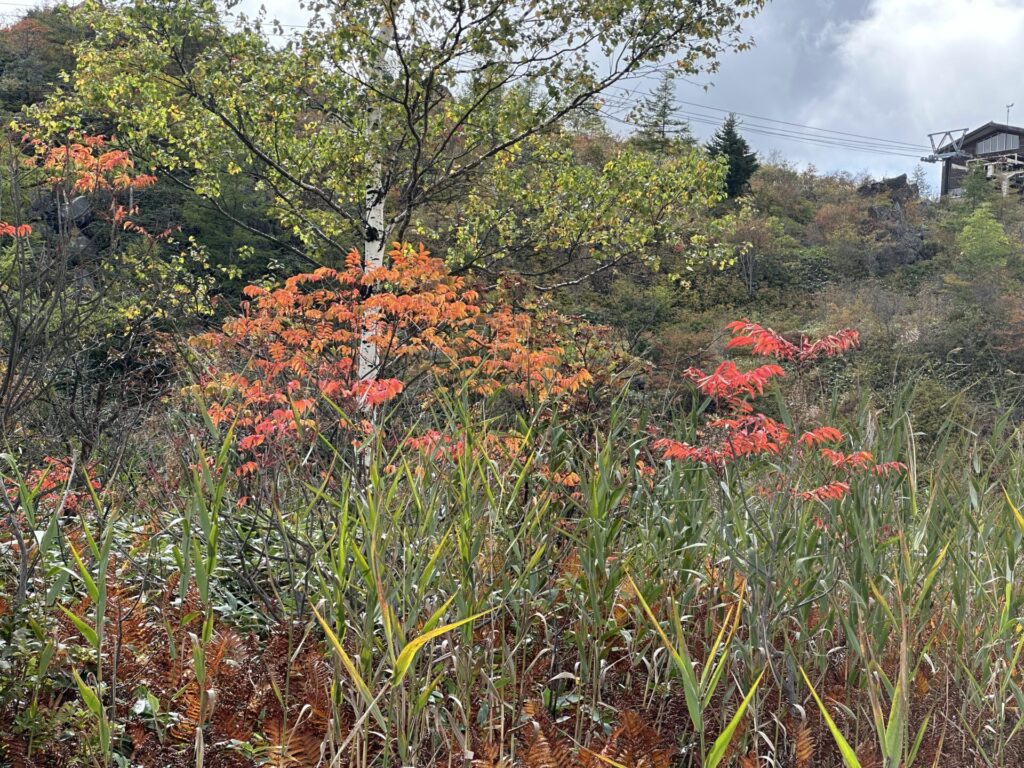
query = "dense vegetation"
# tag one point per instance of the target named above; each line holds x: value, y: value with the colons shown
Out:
x: 283, y: 486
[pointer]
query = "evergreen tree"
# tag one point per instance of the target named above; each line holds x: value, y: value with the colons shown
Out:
x: 658, y: 130
x: 728, y: 143
x: 983, y: 242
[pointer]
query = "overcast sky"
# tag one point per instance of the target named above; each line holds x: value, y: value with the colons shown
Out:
x: 891, y: 70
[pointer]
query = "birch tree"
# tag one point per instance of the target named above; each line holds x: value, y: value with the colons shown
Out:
x: 362, y: 125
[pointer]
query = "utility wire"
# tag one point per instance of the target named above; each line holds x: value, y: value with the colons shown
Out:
x: 863, y: 138
x: 827, y: 141
x: 822, y: 142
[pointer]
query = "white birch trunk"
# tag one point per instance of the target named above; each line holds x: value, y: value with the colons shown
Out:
x: 373, y: 258
x: 374, y: 247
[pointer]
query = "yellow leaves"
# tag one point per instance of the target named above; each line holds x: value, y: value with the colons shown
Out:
x: 1017, y: 516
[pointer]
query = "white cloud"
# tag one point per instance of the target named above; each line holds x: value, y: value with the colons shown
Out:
x: 911, y: 67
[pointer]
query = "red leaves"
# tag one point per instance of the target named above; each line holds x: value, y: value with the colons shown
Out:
x: 742, y: 432
x: 725, y: 440
x: 820, y: 435
x: 21, y: 230
x: 730, y: 384
x: 764, y: 342
x: 375, y: 392
x: 834, y: 491
x: 855, y: 460
x: 887, y: 468
x: 833, y: 345
x: 51, y: 485
x: 673, y: 450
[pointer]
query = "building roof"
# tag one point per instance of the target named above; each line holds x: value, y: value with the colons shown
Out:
x: 984, y: 130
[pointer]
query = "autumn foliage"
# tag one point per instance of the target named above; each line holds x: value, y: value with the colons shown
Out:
x: 736, y: 429
x: 54, y: 485
x: 92, y: 165
x: 288, y: 361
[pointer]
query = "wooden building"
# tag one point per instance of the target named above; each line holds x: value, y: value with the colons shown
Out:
x: 996, y: 147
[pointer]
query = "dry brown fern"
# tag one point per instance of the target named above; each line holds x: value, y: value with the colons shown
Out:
x: 15, y: 750
x: 633, y: 744
x: 803, y: 746
x: 868, y: 755
x: 488, y: 755
x: 921, y: 683
x: 545, y: 747
x: 543, y: 753
x: 292, y: 745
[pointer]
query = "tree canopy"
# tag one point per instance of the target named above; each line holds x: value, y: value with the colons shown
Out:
x: 375, y: 103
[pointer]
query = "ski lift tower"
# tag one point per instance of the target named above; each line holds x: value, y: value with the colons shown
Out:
x: 947, y: 145
x: 948, y: 149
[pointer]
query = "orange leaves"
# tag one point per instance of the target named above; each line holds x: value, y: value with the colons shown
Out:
x: 739, y: 431
x: 10, y: 230
x: 887, y: 468
x: 375, y: 392
x: 764, y: 342
x: 731, y: 385
x: 855, y: 460
x: 52, y: 485
x: 296, y: 344
x: 829, y: 492
x: 725, y: 440
x: 251, y: 442
x: 820, y: 435
x: 673, y: 450
x: 90, y: 166
x: 833, y: 345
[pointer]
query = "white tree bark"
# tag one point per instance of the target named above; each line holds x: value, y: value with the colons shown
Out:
x: 373, y: 258
x: 375, y: 232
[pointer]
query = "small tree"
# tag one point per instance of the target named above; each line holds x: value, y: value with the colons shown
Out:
x: 658, y: 129
x: 983, y: 242
x: 86, y: 292
x: 978, y: 189
x: 728, y: 143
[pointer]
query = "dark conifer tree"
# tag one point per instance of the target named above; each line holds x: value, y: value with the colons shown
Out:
x: 728, y: 143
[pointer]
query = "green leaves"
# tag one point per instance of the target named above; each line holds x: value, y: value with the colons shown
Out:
x: 699, y: 692
x: 845, y: 750
x: 725, y: 738
x: 317, y: 122
x: 983, y: 241
x: 546, y: 204
x: 414, y: 646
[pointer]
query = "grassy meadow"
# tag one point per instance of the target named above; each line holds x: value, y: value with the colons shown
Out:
x: 519, y: 591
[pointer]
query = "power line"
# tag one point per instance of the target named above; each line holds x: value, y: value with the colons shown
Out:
x: 893, y: 142
x: 797, y: 138
x: 868, y: 146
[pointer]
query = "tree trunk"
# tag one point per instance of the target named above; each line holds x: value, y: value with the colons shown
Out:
x: 373, y: 258
x: 375, y: 227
